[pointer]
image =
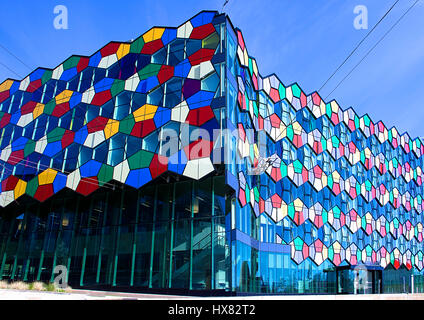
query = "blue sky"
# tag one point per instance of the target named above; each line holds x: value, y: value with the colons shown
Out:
x: 301, y: 41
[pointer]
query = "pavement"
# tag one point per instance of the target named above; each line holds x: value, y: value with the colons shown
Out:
x: 9, y: 294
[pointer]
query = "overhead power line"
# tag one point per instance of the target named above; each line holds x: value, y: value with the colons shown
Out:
x: 357, y: 46
x: 378, y: 42
x: 354, y: 50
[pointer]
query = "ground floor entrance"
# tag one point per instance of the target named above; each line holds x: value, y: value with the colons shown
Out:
x: 359, y: 279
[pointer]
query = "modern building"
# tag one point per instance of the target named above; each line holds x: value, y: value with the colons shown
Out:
x: 170, y: 163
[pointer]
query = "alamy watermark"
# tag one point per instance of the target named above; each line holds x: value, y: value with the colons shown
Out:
x: 223, y: 146
x: 60, y: 21
x: 361, y: 283
x: 360, y: 22
x: 61, y: 276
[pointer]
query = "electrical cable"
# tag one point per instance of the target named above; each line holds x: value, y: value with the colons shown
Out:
x: 35, y: 165
x: 357, y: 46
x: 378, y: 42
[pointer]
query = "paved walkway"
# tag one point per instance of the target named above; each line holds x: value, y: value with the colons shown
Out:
x: 103, y: 295
x: 10, y: 294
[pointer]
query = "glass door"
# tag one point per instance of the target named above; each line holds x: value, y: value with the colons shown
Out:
x: 345, y: 281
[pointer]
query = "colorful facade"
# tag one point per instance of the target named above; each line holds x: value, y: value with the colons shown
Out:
x: 87, y: 180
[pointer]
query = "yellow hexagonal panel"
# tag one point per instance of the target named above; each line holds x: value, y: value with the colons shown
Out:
x: 111, y: 128
x: 20, y: 188
x: 146, y: 112
x: 6, y: 85
x: 153, y: 34
x: 38, y: 110
x: 64, y: 96
x: 123, y: 50
x: 47, y: 177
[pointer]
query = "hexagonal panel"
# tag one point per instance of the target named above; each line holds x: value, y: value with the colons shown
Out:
x: 299, y: 250
x: 336, y: 253
x: 336, y: 218
x: 318, y: 215
x: 318, y: 252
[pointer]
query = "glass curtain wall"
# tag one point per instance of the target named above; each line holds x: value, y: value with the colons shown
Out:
x: 262, y: 266
x: 163, y: 236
